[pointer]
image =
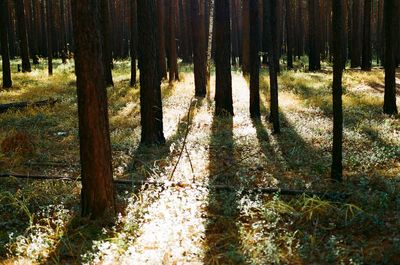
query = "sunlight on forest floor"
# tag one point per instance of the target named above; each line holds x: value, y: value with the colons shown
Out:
x: 188, y: 220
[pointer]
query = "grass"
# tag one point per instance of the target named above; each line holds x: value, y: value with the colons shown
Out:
x: 194, y: 222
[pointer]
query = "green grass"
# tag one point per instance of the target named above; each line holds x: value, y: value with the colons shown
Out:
x: 39, y: 220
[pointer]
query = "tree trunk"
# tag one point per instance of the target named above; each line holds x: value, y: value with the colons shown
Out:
x: 246, y: 37
x: 199, y: 47
x: 107, y: 41
x: 254, y: 60
x: 270, y: 25
x: 5, y: 54
x: 173, y: 60
x: 150, y: 90
x: 356, y: 36
x: 289, y: 34
x: 314, y: 49
x: 23, y: 35
x: 389, y: 106
x: 97, y: 195
x: 210, y: 35
x: 223, y: 91
x: 134, y: 41
x: 337, y: 24
x: 366, y: 49
x: 49, y: 16
x: 161, y: 38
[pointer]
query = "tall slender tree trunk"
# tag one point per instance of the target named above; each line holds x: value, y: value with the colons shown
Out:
x: 246, y: 37
x: 356, y: 36
x: 5, y: 54
x: 223, y: 90
x: 337, y: 24
x: 199, y: 47
x: 150, y: 86
x: 254, y: 60
x: 314, y: 47
x: 270, y: 25
x: 389, y: 106
x: 366, y: 48
x: 23, y: 35
x: 97, y: 195
x: 173, y: 67
x: 49, y: 16
x: 210, y: 35
x: 161, y: 38
x: 134, y: 41
x: 289, y: 34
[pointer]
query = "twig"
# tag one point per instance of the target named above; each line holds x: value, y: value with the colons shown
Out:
x: 21, y: 105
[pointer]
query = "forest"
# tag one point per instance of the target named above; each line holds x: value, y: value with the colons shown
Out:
x: 199, y: 132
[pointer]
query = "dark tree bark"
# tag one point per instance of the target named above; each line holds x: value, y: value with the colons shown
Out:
x: 337, y: 24
x: 5, y: 54
x: 210, y: 36
x: 161, y: 38
x: 97, y: 195
x: 314, y: 47
x: 270, y: 26
x: 355, y: 35
x: 173, y: 60
x: 223, y: 91
x: 246, y: 37
x: 199, y: 47
x: 289, y: 34
x: 23, y: 35
x: 150, y: 91
x: 254, y: 60
x: 235, y: 31
x: 49, y: 16
x: 389, y: 106
x: 107, y: 41
x: 366, y: 49
x: 134, y: 41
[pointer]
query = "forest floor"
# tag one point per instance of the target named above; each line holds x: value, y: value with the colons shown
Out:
x: 190, y: 219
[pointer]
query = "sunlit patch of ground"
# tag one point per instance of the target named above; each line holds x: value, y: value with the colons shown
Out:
x: 193, y: 222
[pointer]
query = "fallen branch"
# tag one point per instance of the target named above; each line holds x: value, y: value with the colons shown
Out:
x: 227, y: 188
x: 22, y: 105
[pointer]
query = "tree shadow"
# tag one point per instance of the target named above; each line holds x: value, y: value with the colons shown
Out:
x: 222, y: 238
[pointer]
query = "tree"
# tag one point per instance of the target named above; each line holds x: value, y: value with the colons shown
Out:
x: 150, y: 87
x: 314, y: 49
x: 161, y: 38
x: 49, y: 16
x: 199, y: 47
x: 356, y: 35
x: 389, y: 105
x: 246, y: 37
x: 134, y: 41
x: 5, y: 53
x: 270, y: 25
x: 366, y: 48
x: 289, y: 33
x: 173, y: 57
x: 254, y: 60
x: 223, y: 91
x: 338, y: 27
x: 23, y: 35
x: 106, y: 31
x: 97, y: 195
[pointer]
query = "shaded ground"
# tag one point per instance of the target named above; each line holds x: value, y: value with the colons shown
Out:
x: 194, y: 223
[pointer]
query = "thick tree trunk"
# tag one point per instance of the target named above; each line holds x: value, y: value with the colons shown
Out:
x: 366, y: 48
x: 199, y: 47
x: 49, y: 16
x: 107, y: 41
x: 246, y: 37
x: 161, y: 38
x: 337, y: 24
x: 97, y: 195
x: 314, y: 49
x: 270, y: 25
x: 389, y: 106
x: 134, y: 42
x: 150, y: 90
x: 23, y: 35
x: 223, y: 91
x: 254, y: 60
x: 5, y: 54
